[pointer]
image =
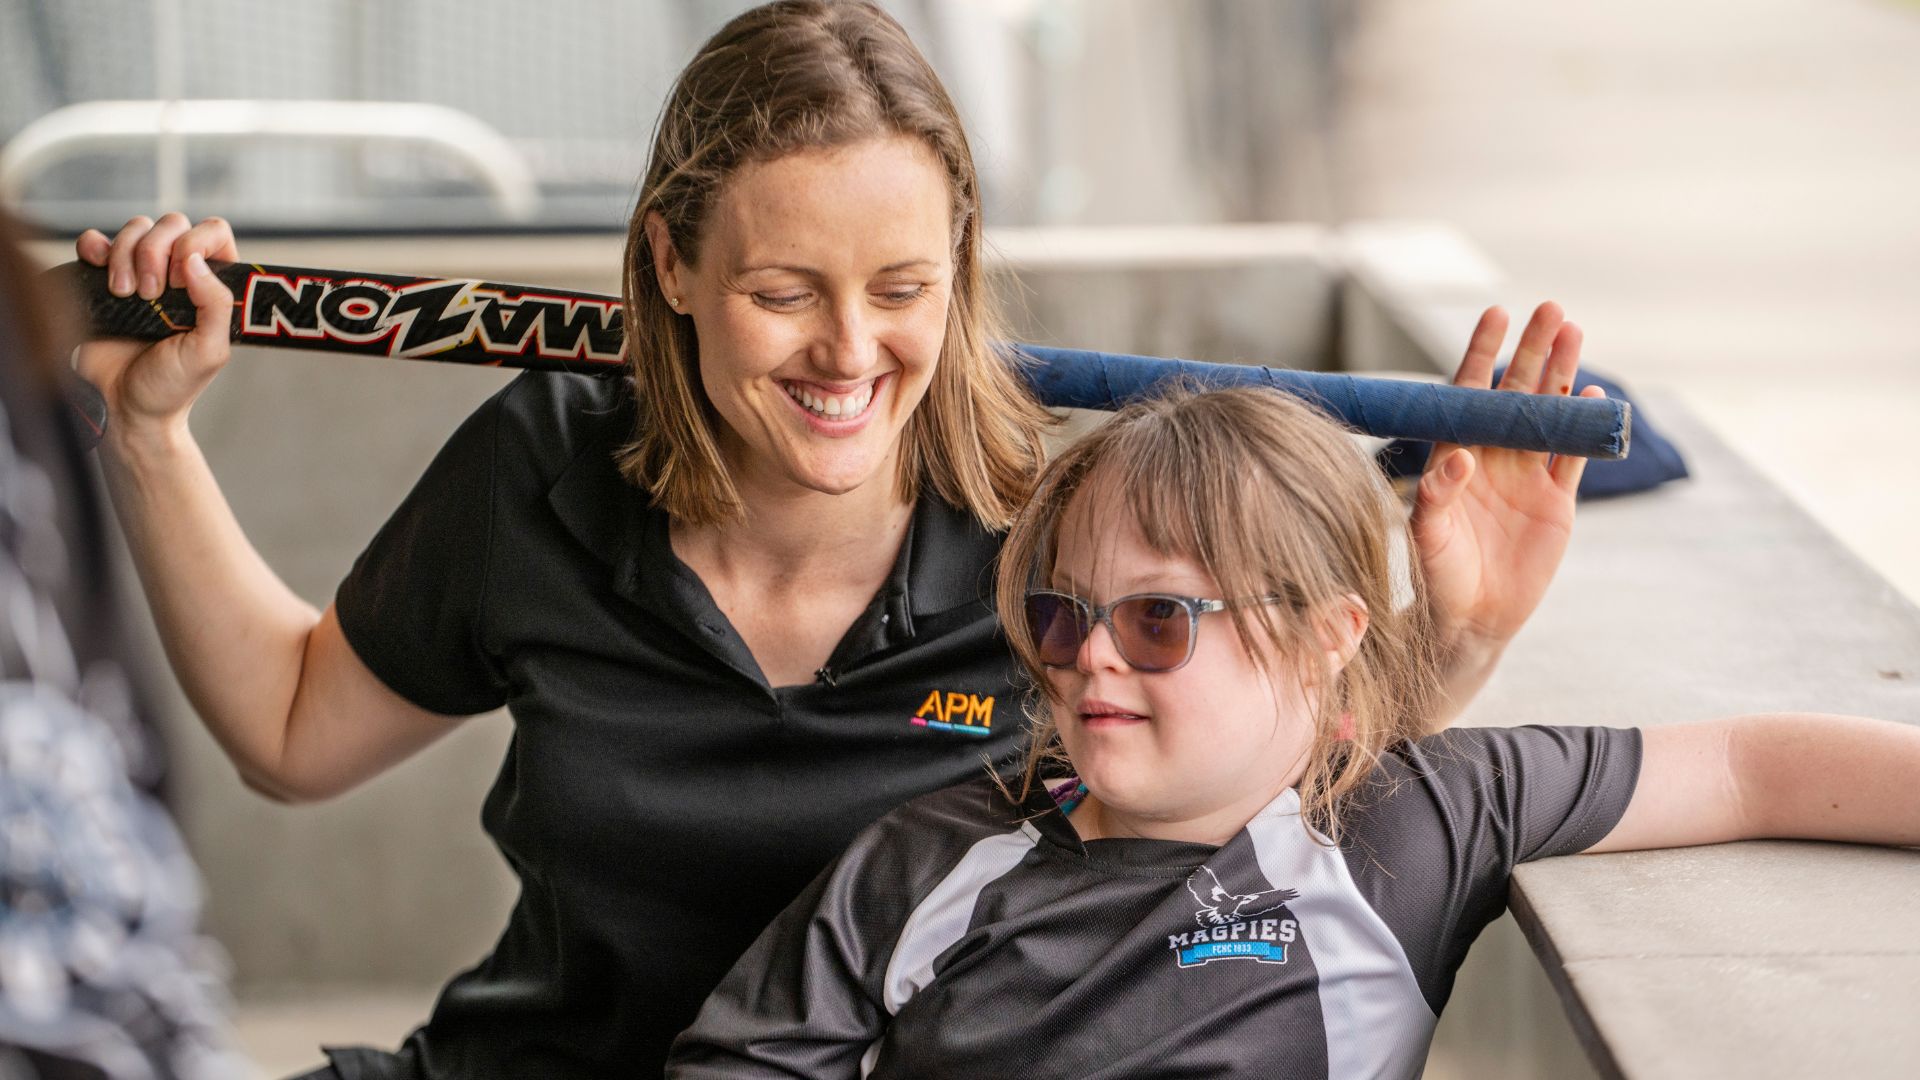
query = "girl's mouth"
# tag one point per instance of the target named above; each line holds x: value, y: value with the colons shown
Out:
x: 1095, y: 713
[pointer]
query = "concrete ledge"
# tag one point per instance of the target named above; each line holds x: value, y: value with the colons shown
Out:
x: 1711, y: 598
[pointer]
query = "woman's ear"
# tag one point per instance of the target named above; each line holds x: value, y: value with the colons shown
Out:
x: 666, y: 258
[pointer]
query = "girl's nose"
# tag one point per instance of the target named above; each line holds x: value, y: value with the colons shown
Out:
x: 1099, y: 652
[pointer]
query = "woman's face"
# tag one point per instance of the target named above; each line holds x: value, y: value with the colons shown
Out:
x: 1210, y: 743
x: 820, y: 303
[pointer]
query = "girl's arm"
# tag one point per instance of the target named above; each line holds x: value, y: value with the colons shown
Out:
x: 1491, y: 525
x: 1789, y: 775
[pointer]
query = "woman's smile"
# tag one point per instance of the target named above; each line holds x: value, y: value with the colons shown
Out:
x: 835, y: 409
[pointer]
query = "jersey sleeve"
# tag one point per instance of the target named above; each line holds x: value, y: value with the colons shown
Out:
x: 805, y: 1000
x: 1436, y: 834
x: 411, y: 606
x: 810, y: 998
x: 1536, y: 792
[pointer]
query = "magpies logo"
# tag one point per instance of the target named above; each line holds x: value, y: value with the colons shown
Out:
x: 1230, y: 926
x: 1218, y: 906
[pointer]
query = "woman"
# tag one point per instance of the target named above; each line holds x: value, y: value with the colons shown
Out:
x: 739, y: 610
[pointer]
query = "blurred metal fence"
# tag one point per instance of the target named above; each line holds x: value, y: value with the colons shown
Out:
x: 1081, y: 111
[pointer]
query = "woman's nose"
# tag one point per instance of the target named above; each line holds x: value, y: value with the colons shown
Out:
x: 849, y: 349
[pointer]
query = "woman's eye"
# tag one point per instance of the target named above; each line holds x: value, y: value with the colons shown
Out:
x: 903, y: 294
x: 780, y: 301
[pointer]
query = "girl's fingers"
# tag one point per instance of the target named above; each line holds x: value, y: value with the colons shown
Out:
x: 1567, y: 469
x: 211, y: 238
x: 1563, y: 363
x: 1476, y: 370
x: 153, y: 255
x: 1446, y: 477
x: 1531, y: 354
x: 120, y: 279
x: 92, y: 247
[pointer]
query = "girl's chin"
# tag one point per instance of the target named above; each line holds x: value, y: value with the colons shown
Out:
x: 1125, y: 790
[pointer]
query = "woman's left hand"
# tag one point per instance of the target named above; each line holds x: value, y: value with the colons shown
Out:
x: 1491, y: 525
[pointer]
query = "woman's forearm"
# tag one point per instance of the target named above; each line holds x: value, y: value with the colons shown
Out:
x: 234, y: 633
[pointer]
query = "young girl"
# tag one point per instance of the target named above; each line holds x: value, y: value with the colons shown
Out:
x: 1253, y: 864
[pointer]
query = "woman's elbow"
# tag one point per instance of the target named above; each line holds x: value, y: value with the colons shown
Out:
x: 288, y: 790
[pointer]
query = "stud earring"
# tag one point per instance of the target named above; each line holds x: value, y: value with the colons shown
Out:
x: 675, y: 301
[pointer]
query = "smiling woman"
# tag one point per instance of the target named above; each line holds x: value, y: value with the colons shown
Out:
x: 815, y: 166
x: 821, y: 304
x: 739, y: 608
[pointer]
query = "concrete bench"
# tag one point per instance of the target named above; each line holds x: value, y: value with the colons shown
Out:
x: 1714, y: 597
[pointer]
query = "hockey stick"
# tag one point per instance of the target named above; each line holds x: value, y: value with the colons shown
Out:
x: 456, y: 320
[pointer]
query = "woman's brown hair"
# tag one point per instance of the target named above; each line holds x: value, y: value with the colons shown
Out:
x: 1270, y: 498
x: 811, y: 75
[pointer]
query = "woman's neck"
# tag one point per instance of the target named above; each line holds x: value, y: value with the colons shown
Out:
x: 791, y: 535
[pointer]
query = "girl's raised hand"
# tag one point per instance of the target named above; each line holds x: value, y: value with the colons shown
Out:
x: 149, y: 388
x: 1491, y: 525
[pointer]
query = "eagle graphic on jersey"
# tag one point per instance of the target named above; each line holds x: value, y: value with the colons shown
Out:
x: 1218, y: 906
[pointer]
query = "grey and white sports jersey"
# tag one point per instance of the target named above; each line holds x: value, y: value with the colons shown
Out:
x: 963, y: 936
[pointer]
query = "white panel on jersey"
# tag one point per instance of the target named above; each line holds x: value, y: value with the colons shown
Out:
x: 943, y: 916
x: 1378, y: 1022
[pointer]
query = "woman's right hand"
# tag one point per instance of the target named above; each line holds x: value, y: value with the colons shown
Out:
x: 150, y: 387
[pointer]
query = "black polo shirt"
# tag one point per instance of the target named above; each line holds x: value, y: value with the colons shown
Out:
x: 660, y: 802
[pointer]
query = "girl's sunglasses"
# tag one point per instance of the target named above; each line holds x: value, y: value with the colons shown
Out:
x: 1151, y: 631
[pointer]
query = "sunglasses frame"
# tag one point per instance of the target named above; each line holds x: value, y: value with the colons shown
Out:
x: 1102, y: 614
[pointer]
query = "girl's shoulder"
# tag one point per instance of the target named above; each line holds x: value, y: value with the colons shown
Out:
x: 928, y: 836
x: 1544, y: 789
x: 972, y: 810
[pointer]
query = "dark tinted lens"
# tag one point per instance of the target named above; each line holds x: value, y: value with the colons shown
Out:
x: 1153, y: 631
x: 1058, y: 626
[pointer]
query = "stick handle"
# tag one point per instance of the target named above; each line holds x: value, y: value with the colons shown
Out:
x: 524, y: 326
x: 1389, y: 408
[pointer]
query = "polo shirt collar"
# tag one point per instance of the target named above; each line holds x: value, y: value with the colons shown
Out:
x: 945, y: 561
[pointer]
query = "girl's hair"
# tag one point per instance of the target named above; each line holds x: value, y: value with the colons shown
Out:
x: 1270, y: 498
x: 812, y: 75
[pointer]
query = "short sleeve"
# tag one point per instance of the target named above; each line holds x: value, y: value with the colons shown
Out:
x: 1562, y: 789
x: 811, y: 997
x: 1435, y: 834
x: 411, y: 606
x: 1530, y: 792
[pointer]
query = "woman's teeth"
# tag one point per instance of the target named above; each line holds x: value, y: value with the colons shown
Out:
x: 843, y: 407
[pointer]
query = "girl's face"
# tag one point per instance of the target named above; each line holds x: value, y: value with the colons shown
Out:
x: 820, y: 305
x: 1187, y: 754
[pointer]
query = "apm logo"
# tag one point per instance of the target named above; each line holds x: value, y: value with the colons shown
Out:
x: 970, y: 713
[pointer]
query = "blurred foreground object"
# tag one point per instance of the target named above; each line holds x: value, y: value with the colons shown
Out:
x: 102, y: 971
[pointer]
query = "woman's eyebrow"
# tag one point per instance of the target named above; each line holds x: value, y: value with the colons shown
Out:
x: 808, y: 271
x: 804, y: 271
